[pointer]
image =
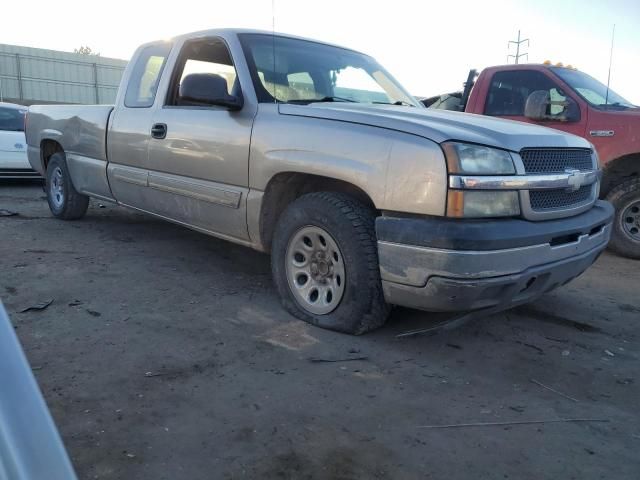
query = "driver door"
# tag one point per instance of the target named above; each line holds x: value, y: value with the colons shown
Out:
x: 198, y: 168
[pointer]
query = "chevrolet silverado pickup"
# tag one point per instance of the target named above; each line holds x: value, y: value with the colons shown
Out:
x: 565, y: 98
x: 316, y: 154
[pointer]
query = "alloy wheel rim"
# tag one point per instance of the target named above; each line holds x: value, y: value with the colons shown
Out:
x: 315, y: 270
x: 631, y: 220
x: 57, y: 188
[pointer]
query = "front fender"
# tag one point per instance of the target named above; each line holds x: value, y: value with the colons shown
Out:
x: 398, y: 171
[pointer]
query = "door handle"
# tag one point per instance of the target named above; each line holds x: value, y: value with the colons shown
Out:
x: 159, y: 130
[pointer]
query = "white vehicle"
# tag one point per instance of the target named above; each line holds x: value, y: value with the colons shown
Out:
x: 13, y: 145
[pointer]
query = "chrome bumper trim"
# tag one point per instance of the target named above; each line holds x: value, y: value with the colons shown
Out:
x: 571, y: 180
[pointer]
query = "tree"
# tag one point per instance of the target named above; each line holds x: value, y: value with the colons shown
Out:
x: 85, y: 51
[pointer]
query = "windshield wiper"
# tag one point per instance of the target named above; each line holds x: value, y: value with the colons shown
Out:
x: 323, y: 99
x: 617, y: 105
x: 399, y: 102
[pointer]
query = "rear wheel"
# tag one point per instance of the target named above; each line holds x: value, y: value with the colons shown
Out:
x: 64, y: 200
x: 625, y: 238
x: 324, y: 260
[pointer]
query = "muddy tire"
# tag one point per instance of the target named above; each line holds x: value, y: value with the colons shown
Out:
x: 324, y: 259
x: 64, y: 200
x: 625, y: 238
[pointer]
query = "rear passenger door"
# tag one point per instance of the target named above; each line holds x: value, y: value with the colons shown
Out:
x: 198, y: 171
x: 129, y: 130
x: 508, y: 93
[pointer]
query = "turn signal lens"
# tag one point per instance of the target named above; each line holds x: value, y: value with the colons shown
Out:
x: 486, y: 203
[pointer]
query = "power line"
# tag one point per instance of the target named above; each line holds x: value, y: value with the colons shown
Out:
x: 517, y: 43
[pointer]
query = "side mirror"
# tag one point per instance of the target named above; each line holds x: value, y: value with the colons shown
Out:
x: 572, y: 111
x: 207, y: 89
x: 539, y: 106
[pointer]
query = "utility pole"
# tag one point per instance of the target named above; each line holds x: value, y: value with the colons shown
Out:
x: 517, y: 43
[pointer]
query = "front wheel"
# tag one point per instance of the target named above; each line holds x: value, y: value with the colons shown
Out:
x: 625, y: 238
x: 64, y: 200
x: 324, y: 260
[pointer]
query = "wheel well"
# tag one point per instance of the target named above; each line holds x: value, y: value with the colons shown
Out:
x: 48, y: 148
x: 619, y: 170
x: 286, y: 187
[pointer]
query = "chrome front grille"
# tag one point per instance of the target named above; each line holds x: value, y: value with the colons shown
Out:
x: 542, y: 204
x: 556, y: 160
x: 545, y: 200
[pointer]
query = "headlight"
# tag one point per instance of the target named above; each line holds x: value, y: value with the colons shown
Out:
x: 485, y: 203
x: 477, y: 159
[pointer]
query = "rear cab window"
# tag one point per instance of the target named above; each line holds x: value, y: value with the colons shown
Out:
x: 143, y: 83
x: 12, y: 119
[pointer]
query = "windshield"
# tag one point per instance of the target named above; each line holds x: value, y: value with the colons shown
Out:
x: 12, y: 119
x: 289, y: 70
x: 591, y: 89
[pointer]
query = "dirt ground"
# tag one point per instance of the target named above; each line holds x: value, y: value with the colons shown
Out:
x: 165, y: 355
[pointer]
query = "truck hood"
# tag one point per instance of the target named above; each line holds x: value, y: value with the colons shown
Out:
x: 440, y: 125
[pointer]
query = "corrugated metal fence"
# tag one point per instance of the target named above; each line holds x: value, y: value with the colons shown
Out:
x: 33, y: 75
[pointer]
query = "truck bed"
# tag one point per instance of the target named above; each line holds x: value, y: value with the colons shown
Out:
x: 79, y: 129
x: 81, y: 132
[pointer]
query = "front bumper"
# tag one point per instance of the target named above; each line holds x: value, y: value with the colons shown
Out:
x: 448, y: 265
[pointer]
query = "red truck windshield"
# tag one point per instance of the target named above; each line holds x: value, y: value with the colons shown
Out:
x: 591, y: 89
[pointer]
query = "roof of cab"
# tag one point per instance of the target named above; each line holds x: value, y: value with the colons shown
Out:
x: 240, y: 31
x: 528, y: 66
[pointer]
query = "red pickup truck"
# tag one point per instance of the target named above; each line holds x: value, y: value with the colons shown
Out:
x: 570, y: 100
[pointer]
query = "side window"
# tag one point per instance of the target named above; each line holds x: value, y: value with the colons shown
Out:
x: 509, y: 91
x: 209, y: 57
x: 12, y: 119
x: 143, y: 83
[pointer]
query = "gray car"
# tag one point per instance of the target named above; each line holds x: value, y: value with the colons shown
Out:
x: 316, y: 154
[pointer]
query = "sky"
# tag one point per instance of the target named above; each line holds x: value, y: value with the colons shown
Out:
x: 428, y: 46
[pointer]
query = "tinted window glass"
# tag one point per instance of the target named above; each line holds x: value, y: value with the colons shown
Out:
x: 143, y: 83
x: 12, y: 119
x: 509, y: 91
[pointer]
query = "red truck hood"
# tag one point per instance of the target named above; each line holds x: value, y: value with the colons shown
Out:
x: 440, y: 125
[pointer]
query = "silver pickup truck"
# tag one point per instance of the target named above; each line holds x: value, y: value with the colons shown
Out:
x: 316, y: 154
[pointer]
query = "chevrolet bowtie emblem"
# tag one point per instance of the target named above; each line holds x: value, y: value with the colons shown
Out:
x: 576, y: 179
